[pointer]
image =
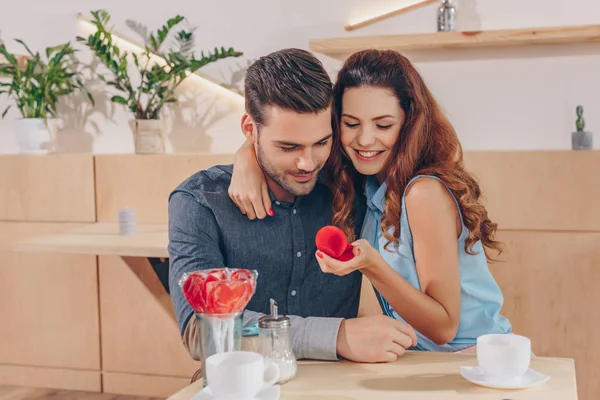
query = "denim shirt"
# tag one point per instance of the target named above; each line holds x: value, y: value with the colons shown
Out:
x: 207, y: 230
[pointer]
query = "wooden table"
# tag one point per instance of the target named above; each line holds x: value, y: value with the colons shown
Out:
x: 416, y: 376
x: 102, y: 238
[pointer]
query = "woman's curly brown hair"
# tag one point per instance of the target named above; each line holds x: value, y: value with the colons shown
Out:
x: 427, y: 145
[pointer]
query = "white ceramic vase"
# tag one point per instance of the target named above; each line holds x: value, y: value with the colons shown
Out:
x: 148, y: 136
x: 33, y: 135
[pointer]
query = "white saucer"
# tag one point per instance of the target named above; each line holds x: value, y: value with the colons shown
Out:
x: 271, y: 393
x: 530, y: 379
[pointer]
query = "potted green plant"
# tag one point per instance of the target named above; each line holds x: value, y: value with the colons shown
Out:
x: 157, y: 77
x: 36, y: 87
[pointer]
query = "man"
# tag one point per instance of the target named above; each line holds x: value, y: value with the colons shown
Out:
x: 288, y: 118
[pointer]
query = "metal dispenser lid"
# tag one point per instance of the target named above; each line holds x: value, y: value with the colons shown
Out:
x: 274, y: 321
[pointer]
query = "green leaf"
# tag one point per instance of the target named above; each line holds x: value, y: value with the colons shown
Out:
x: 174, y: 21
x: 30, y: 67
x: 26, y: 48
x: 9, y: 57
x: 90, y: 97
x: 103, y: 16
x: 50, y: 50
x: 119, y: 99
x: 5, y: 111
x: 153, y: 41
x: 162, y: 34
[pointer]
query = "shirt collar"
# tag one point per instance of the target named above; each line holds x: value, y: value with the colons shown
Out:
x: 287, y: 204
x: 375, y: 193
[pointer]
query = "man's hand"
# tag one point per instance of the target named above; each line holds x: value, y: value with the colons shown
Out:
x: 374, y: 339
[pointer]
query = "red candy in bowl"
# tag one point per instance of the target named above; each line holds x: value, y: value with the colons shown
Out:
x: 219, y: 291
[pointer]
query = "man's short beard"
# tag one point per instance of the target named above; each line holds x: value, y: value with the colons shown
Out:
x: 279, y: 177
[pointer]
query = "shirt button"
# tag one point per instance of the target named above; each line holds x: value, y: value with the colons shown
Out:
x: 278, y: 203
x: 294, y: 211
x: 293, y: 293
x: 299, y: 254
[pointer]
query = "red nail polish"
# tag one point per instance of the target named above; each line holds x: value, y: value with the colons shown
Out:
x: 271, y: 213
x: 319, y: 254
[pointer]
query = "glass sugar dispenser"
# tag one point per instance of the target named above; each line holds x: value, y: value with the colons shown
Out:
x: 276, y: 343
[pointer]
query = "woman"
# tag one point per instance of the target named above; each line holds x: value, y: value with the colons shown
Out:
x: 426, y: 237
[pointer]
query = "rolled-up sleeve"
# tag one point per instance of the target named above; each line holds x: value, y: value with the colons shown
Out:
x: 313, y: 338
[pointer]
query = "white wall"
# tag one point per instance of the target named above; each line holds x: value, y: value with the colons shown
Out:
x: 517, y: 98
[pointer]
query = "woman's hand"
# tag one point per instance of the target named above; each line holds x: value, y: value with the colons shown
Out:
x: 365, y: 258
x: 248, y: 188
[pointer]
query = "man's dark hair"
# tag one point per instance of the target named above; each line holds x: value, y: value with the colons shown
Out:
x: 290, y: 79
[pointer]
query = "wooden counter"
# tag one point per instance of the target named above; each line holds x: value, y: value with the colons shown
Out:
x: 415, y: 376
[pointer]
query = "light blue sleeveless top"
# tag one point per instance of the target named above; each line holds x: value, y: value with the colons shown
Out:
x: 481, y: 298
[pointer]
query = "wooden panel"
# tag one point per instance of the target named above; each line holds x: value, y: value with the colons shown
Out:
x: 57, y: 188
x: 145, y: 182
x: 143, y: 385
x: 102, y: 238
x: 50, y: 304
x: 548, y: 190
x: 523, y: 189
x: 550, y: 285
x: 55, y: 378
x: 138, y: 334
x: 342, y: 47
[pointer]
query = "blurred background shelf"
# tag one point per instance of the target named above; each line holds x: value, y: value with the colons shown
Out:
x: 341, y: 47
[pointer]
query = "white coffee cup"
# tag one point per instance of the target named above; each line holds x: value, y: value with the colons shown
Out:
x: 503, y: 356
x: 239, y: 374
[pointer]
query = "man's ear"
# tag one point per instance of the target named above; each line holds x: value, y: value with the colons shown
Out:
x: 249, y: 128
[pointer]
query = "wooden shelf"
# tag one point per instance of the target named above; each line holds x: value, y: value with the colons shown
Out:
x: 342, y: 47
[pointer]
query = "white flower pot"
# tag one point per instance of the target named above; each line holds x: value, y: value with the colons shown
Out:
x: 148, y: 136
x: 33, y: 135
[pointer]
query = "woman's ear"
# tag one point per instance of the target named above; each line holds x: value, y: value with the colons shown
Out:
x: 249, y: 128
